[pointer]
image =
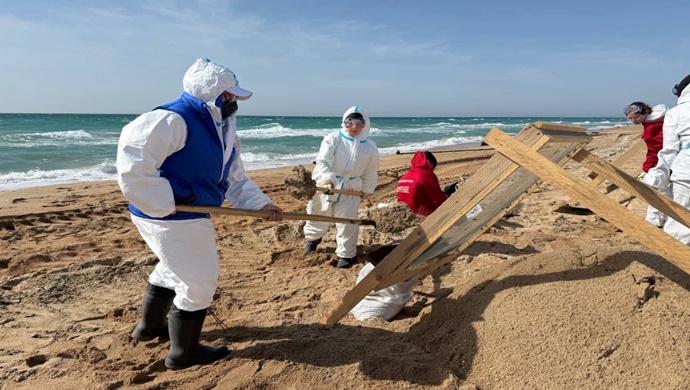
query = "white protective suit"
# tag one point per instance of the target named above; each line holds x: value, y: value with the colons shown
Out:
x: 672, y: 172
x: 385, y: 303
x: 186, y: 248
x: 654, y: 216
x: 350, y: 164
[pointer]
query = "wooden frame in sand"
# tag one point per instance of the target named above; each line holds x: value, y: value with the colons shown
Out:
x: 536, y: 153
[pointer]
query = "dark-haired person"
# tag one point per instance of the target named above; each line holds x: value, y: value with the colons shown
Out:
x: 672, y: 172
x: 652, y: 121
x: 347, y: 160
x: 419, y: 187
x: 185, y: 152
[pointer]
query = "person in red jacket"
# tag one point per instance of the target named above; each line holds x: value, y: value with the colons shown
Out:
x: 419, y: 187
x: 652, y: 121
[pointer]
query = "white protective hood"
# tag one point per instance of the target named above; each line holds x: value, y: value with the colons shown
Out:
x: 206, y: 80
x: 365, y: 131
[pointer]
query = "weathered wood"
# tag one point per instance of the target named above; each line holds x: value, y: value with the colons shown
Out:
x: 633, y: 186
x: 634, y: 151
x: 633, y: 225
x: 265, y: 214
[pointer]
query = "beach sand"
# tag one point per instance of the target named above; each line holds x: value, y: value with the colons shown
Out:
x: 541, y: 301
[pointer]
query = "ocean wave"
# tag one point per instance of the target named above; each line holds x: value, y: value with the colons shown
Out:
x: 35, y: 178
x: 413, y: 147
x: 277, y: 131
x: 57, y: 138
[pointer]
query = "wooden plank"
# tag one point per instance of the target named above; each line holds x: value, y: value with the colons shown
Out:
x: 634, y: 151
x: 633, y: 225
x: 633, y: 186
x: 557, y: 126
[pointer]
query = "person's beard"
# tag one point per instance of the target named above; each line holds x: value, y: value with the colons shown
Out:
x: 228, y: 109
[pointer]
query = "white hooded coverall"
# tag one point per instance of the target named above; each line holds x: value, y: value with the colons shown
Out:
x: 672, y: 172
x: 350, y: 164
x: 186, y: 248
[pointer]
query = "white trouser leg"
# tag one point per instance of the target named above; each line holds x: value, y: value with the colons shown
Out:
x: 655, y: 216
x: 347, y: 234
x: 188, y: 259
x: 312, y: 229
x: 681, y: 195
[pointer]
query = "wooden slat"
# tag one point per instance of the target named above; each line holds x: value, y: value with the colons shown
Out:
x: 633, y: 186
x: 557, y: 126
x: 633, y: 225
x: 634, y: 151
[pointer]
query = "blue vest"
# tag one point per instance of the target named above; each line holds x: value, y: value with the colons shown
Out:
x: 195, y: 172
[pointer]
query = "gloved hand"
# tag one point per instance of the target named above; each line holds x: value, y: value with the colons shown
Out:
x: 450, y: 189
x: 325, y: 183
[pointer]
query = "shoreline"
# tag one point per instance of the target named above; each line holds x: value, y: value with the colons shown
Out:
x: 22, y: 200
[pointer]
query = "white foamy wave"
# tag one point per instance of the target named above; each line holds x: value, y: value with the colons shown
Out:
x: 36, y: 178
x: 275, y: 130
x: 70, y: 134
x: 275, y: 160
x: 455, y: 141
x: 56, y: 138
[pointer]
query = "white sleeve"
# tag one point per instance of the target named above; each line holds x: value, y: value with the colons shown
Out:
x: 371, y: 172
x: 660, y: 176
x: 144, y: 145
x: 243, y: 192
x: 325, y: 160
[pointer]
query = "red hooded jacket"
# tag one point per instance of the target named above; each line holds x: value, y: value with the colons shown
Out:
x: 419, y: 187
x: 654, y: 138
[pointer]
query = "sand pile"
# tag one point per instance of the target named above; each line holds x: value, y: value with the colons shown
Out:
x: 391, y: 217
x: 299, y: 183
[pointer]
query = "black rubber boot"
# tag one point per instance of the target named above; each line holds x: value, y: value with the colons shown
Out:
x: 185, y: 350
x: 157, y: 301
x: 346, y: 262
x: 311, y: 246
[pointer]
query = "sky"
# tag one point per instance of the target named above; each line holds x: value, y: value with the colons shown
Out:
x: 318, y: 58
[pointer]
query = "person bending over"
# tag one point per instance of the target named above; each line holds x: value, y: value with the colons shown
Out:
x: 419, y: 187
x: 652, y: 121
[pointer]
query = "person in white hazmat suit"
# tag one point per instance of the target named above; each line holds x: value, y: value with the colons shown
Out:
x: 185, y: 152
x: 672, y: 172
x: 347, y: 160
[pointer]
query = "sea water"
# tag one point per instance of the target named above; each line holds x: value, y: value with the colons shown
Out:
x: 44, y: 149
